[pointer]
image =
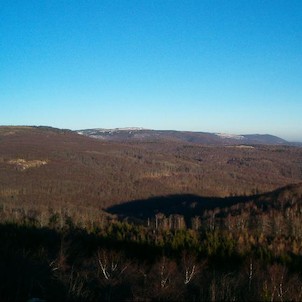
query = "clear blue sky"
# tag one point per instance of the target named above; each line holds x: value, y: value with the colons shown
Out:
x: 217, y: 66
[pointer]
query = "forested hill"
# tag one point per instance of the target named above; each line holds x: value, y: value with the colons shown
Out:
x: 287, y: 198
x: 41, y: 165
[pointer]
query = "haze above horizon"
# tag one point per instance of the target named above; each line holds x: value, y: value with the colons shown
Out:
x: 212, y: 66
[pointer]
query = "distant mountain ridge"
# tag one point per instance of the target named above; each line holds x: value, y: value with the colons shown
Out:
x: 141, y: 134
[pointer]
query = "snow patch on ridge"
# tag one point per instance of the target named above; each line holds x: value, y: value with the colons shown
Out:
x: 230, y: 136
x: 103, y: 130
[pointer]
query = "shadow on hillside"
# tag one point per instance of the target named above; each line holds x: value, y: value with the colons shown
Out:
x: 184, y: 204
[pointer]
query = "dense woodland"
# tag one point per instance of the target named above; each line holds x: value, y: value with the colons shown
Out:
x: 53, y: 167
x: 84, y: 220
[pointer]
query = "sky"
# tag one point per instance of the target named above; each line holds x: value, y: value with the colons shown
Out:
x: 205, y: 65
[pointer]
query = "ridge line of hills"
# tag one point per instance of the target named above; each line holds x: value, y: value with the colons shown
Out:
x: 197, y: 137
x: 140, y: 134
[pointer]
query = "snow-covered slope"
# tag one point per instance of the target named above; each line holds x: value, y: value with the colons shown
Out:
x: 230, y: 136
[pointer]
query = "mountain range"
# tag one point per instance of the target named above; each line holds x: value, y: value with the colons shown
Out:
x: 141, y: 134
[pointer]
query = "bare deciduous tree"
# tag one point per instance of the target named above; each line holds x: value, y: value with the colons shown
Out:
x: 112, y: 264
x: 189, y: 267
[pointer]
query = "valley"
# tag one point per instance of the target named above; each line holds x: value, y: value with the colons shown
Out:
x: 177, y: 217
